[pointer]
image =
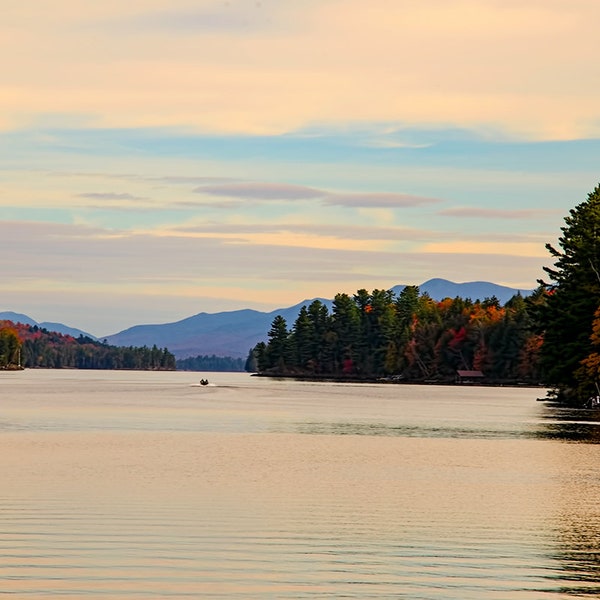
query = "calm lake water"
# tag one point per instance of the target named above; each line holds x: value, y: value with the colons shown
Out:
x: 147, y: 485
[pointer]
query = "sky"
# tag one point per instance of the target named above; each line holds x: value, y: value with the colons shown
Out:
x: 164, y: 158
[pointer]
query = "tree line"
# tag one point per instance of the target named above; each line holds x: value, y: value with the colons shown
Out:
x: 410, y: 337
x: 29, y: 346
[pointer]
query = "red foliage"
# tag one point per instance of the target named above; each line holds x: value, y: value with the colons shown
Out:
x: 457, y: 337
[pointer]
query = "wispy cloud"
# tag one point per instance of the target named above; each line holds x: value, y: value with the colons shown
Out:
x: 379, y: 200
x: 261, y: 191
x: 350, y: 233
x: 111, y: 196
x: 238, y: 18
x: 224, y: 204
x: 283, y: 191
x: 193, y: 179
x: 465, y: 212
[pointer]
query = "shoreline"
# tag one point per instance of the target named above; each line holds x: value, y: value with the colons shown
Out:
x: 397, y: 381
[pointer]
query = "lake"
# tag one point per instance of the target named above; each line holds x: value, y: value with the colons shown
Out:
x: 148, y: 485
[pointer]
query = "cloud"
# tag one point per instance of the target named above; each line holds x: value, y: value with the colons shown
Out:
x: 63, y: 254
x: 261, y: 191
x: 242, y: 17
x: 379, y: 200
x: 216, y: 204
x: 191, y: 179
x: 310, y: 235
x: 286, y: 191
x: 110, y: 196
x: 465, y: 212
x: 505, y: 248
x: 516, y: 67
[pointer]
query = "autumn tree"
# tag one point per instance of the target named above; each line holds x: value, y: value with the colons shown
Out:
x: 590, y: 366
x: 10, y: 347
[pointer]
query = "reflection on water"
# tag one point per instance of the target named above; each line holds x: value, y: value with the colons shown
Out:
x: 380, y: 429
x: 570, y: 424
x: 141, y: 485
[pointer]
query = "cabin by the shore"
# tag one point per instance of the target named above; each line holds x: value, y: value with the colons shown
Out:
x: 463, y: 376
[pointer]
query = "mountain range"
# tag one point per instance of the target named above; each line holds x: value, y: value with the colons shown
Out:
x: 234, y: 333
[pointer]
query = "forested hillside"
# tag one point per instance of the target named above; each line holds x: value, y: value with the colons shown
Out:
x: 407, y: 337
x: 29, y: 346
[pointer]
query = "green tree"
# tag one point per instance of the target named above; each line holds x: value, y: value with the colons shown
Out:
x: 406, y: 306
x: 278, y: 349
x: 377, y: 319
x: 304, y: 340
x: 571, y: 299
x: 321, y: 342
x: 258, y: 359
x: 345, y: 325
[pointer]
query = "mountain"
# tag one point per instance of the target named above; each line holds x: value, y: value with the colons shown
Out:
x: 58, y: 327
x: 439, y: 289
x: 234, y: 333
x: 8, y: 315
x: 231, y: 333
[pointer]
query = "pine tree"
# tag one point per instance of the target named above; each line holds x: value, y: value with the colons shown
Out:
x: 345, y: 325
x: 278, y: 349
x: 572, y: 298
x: 303, y: 340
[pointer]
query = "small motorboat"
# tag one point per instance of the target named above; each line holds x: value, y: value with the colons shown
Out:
x: 204, y: 382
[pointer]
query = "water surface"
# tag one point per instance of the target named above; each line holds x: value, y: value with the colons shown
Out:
x: 146, y: 485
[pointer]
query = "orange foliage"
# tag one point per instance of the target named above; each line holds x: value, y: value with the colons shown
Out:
x: 486, y: 314
x: 9, y: 328
x: 445, y: 304
x: 591, y: 363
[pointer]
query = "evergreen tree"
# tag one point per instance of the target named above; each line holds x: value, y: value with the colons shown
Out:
x: 304, y: 340
x: 345, y: 325
x: 321, y: 342
x: 406, y: 306
x: 377, y: 317
x: 572, y: 297
x: 278, y: 349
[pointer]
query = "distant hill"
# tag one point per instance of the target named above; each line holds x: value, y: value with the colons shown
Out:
x: 231, y: 333
x: 439, y: 289
x: 234, y: 333
x: 56, y: 327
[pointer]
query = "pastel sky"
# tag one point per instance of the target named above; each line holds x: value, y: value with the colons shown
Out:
x: 163, y: 158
